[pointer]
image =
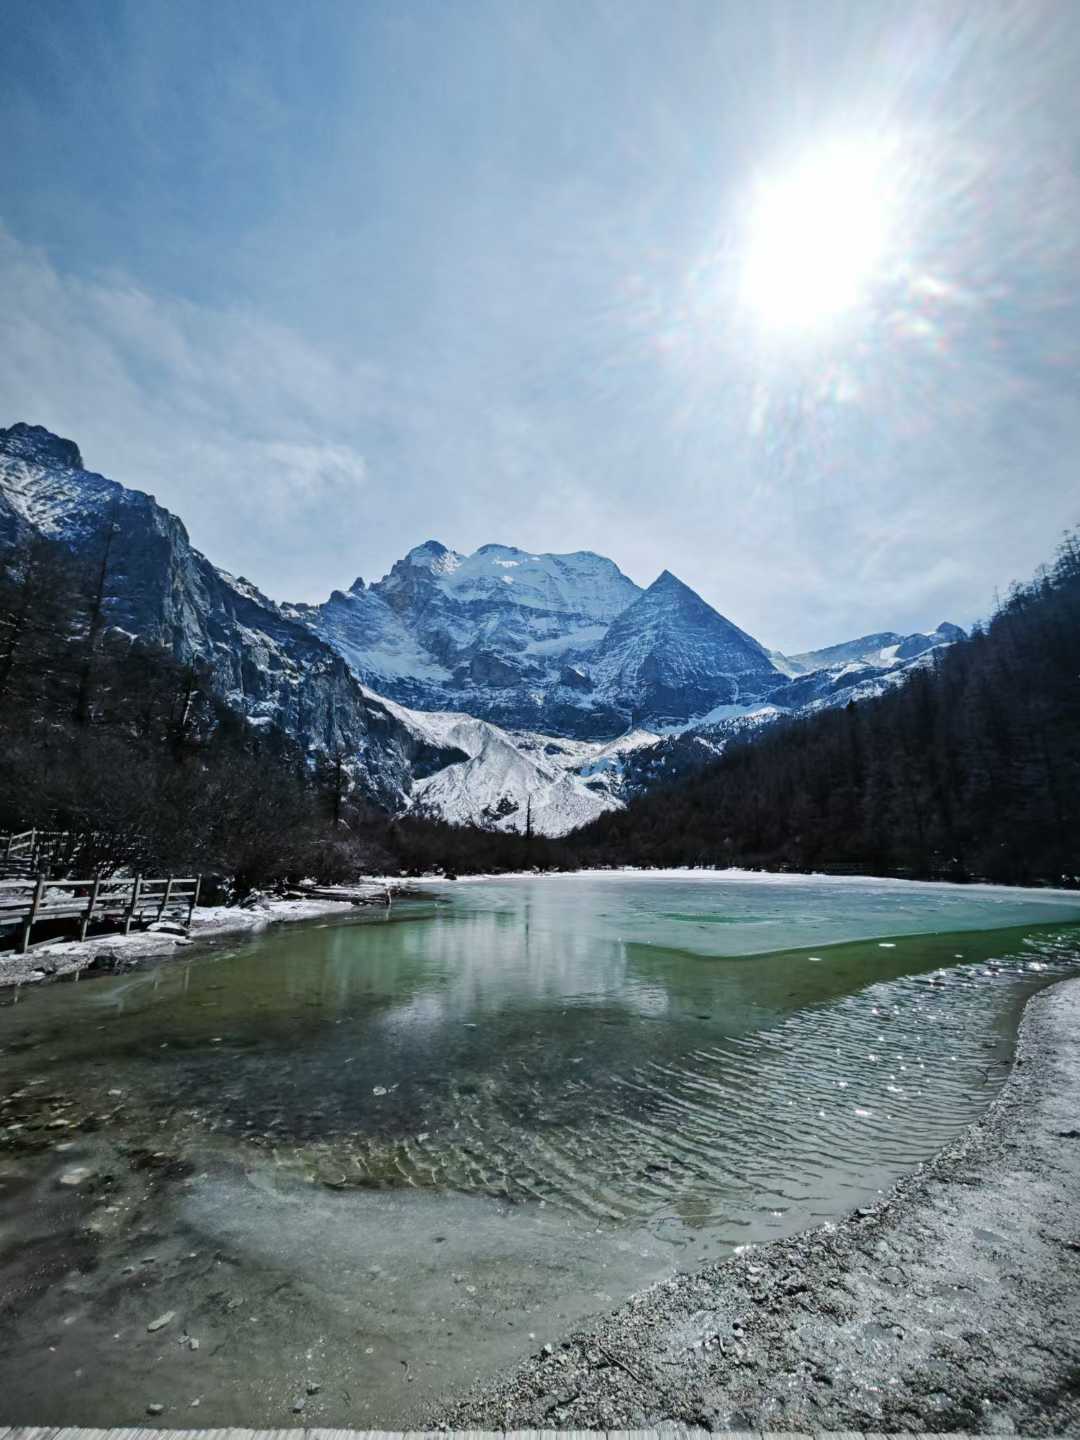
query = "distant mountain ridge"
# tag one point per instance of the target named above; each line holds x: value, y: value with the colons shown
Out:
x: 481, y: 687
x: 562, y: 643
x: 884, y: 649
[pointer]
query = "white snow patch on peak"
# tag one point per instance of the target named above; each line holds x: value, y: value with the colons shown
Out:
x: 579, y: 583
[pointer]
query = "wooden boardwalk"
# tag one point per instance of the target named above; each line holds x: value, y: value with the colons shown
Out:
x: 26, y: 903
x: 35, y: 852
x: 669, y: 1432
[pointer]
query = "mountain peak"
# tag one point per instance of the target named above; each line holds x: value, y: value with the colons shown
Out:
x: 670, y: 592
x: 432, y: 555
x: 34, y: 442
x: 666, y: 581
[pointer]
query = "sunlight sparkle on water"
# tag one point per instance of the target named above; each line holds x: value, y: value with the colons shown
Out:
x: 817, y: 236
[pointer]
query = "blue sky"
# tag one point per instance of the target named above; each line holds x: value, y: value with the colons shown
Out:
x: 334, y: 278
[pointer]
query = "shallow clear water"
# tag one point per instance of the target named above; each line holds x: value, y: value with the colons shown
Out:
x: 404, y: 1151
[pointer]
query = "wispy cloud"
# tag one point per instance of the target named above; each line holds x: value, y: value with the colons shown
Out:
x: 240, y: 426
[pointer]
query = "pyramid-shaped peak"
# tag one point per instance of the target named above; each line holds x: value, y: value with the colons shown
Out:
x: 667, y: 581
x: 35, y: 442
x: 670, y: 590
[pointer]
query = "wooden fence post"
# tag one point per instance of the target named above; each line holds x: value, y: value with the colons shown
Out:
x: 194, y: 898
x: 90, y: 908
x: 34, y: 907
x: 136, y: 889
x: 165, y: 898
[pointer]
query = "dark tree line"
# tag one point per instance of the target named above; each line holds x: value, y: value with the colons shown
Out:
x: 969, y: 770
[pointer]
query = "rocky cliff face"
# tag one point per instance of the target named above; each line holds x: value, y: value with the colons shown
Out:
x: 264, y: 664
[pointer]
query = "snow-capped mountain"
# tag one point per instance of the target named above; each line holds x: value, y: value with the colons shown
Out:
x: 161, y: 589
x: 565, y: 644
x: 499, y: 688
x: 499, y: 634
x: 860, y: 669
x: 568, y: 646
x: 882, y: 651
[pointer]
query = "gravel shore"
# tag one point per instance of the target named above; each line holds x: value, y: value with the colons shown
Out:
x: 952, y: 1306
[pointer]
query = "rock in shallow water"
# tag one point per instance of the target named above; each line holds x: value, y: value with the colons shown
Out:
x: 77, y: 1175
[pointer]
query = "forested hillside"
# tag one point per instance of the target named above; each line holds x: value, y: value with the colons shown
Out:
x: 969, y: 770
x: 105, y: 735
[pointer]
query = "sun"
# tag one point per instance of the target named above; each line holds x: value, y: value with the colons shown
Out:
x: 816, y: 237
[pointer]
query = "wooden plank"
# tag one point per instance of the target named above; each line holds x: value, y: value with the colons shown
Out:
x: 136, y: 889
x: 28, y: 926
x: 91, y: 902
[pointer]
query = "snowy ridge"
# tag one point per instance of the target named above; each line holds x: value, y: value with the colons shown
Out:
x: 881, y: 651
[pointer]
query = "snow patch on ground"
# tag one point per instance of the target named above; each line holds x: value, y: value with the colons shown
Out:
x: 59, y: 958
x: 778, y: 877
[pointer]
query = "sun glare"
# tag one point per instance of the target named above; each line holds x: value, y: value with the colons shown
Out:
x: 816, y: 237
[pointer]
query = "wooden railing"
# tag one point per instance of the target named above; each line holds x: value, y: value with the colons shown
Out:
x: 25, y: 904
x: 30, y: 852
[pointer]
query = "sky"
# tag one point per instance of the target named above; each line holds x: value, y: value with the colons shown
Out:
x: 783, y: 297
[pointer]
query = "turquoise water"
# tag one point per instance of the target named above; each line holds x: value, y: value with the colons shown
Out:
x: 405, y: 1151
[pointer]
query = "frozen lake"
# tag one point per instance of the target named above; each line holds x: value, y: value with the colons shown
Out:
x: 390, y: 1156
